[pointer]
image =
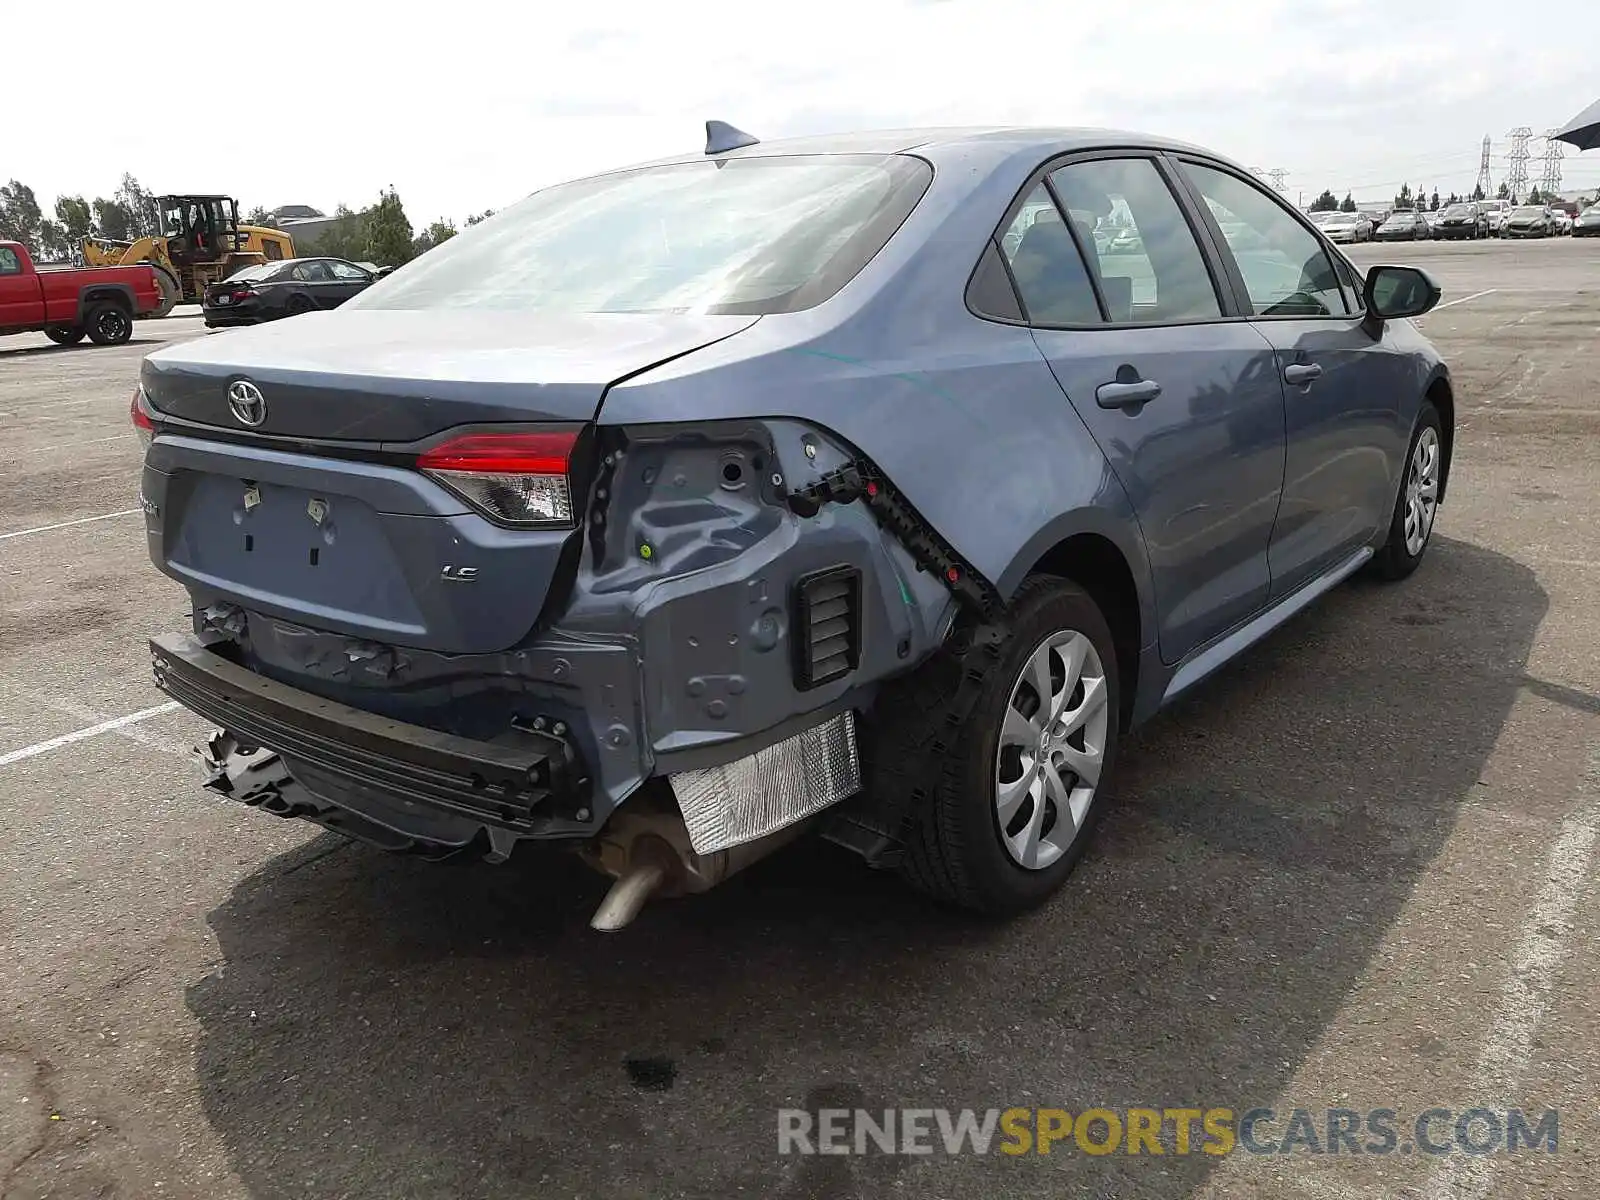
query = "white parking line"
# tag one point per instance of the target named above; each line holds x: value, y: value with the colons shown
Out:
x: 1464, y: 299
x: 1526, y: 994
x: 121, y: 512
x: 78, y: 735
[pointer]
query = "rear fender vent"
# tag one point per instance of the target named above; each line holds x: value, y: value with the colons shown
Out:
x: 827, y: 626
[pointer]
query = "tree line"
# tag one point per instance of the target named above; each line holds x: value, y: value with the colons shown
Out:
x: 381, y: 232
x: 128, y: 213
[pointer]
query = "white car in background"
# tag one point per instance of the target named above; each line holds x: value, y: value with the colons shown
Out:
x: 1343, y: 226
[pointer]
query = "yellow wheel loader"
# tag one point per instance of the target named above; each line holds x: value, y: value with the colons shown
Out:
x: 200, y: 243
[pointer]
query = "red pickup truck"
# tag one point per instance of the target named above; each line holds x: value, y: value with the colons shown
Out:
x: 69, y: 304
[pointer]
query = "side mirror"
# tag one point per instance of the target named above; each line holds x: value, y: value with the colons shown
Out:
x: 1395, y: 292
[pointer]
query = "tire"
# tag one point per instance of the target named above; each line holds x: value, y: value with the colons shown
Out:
x: 108, y: 323
x: 298, y: 305
x: 171, y: 293
x: 65, y: 335
x: 1399, y: 556
x: 956, y: 850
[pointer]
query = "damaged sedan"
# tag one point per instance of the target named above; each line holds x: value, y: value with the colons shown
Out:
x: 847, y: 485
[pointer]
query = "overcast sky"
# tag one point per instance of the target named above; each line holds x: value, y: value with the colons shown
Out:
x: 470, y: 104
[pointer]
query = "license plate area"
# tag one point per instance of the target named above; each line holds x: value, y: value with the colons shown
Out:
x: 301, y: 550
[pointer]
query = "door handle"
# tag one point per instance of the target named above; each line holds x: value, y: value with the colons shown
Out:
x: 1302, y: 373
x: 1126, y: 395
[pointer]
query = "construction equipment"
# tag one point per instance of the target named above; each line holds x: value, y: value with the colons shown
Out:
x: 201, y: 242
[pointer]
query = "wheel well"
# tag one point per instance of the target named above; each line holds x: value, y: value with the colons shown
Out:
x: 1445, y: 401
x: 1096, y: 565
x: 115, y: 297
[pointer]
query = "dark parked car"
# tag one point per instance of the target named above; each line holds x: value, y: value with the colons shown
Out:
x: 1404, y: 225
x: 1528, y: 220
x: 845, y: 483
x: 1462, y: 221
x: 1587, y: 223
x: 267, y: 291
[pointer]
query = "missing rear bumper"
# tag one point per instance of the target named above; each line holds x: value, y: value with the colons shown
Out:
x: 419, y: 784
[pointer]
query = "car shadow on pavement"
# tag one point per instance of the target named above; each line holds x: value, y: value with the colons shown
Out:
x: 380, y: 1027
x: 25, y: 351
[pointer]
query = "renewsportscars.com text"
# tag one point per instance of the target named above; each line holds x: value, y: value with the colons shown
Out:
x: 1162, y: 1131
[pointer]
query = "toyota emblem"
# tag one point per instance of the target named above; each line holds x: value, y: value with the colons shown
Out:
x: 247, y: 403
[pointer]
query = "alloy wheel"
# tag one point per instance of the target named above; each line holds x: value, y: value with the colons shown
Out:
x: 1052, y: 748
x: 1422, y: 490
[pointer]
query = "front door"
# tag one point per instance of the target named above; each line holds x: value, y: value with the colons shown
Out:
x: 1184, y: 403
x: 1341, y: 381
x: 20, y: 295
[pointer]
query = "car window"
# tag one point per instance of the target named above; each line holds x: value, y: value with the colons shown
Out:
x: 744, y: 235
x: 343, y: 270
x: 312, y: 272
x: 1050, y: 273
x: 1140, y: 248
x: 255, y: 273
x: 990, y: 293
x: 10, y: 264
x: 1286, y: 270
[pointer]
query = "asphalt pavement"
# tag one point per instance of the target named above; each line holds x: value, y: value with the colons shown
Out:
x: 1356, y: 870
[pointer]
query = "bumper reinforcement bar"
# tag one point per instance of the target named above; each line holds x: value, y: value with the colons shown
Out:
x: 504, y: 782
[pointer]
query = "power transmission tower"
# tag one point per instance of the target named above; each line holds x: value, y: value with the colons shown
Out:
x: 1278, y: 175
x: 1554, y: 151
x: 1517, y: 157
x: 1485, y: 183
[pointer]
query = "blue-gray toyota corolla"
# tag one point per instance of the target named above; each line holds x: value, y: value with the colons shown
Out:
x: 868, y: 485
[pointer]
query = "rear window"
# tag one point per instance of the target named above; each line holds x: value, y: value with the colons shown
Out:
x: 255, y: 273
x: 743, y: 235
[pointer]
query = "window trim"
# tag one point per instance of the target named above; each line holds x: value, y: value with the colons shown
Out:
x: 1225, y: 252
x: 1222, y: 283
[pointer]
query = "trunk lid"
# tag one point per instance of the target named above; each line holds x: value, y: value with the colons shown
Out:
x: 344, y: 539
x: 386, y: 376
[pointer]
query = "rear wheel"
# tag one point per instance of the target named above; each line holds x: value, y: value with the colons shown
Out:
x: 65, y: 335
x: 1411, y: 526
x: 171, y: 293
x: 108, y: 323
x: 298, y: 305
x: 1017, y: 793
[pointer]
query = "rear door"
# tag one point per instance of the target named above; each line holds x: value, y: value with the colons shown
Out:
x: 1341, y: 381
x: 1181, y: 398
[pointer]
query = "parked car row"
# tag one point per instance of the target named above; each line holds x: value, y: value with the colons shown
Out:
x: 1468, y: 219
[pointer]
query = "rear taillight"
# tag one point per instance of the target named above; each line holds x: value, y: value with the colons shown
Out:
x: 515, y: 478
x: 139, y: 414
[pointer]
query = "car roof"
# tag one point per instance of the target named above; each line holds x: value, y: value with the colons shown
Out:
x: 998, y: 141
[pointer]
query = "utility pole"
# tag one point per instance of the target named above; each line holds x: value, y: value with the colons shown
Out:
x: 1277, y: 175
x: 1517, y: 157
x: 1554, y: 151
x: 1485, y: 183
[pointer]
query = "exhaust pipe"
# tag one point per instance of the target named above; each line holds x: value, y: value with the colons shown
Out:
x: 627, y: 896
x: 645, y: 847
